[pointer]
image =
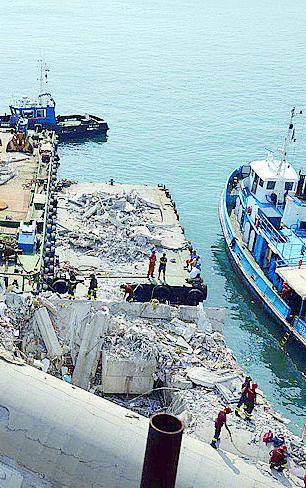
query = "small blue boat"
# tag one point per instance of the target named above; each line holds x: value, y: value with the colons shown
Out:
x: 262, y: 212
x: 41, y: 115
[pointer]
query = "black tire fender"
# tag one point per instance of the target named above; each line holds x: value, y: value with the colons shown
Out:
x: 60, y: 286
x: 195, y: 296
x: 161, y: 293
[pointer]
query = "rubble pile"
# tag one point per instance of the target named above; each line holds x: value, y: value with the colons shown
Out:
x: 14, y: 319
x: 146, y: 364
x: 102, y: 221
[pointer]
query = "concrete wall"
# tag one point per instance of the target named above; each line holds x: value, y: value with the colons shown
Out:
x: 79, y: 440
x: 126, y: 376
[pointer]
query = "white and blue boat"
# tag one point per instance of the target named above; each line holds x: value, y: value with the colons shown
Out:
x: 262, y: 212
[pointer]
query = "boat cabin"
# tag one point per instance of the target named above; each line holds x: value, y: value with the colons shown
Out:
x: 271, y: 181
x: 39, y: 114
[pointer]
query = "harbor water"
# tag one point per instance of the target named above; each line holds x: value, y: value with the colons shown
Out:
x: 190, y: 90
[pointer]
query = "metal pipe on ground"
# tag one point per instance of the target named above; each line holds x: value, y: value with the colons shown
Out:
x: 162, y: 451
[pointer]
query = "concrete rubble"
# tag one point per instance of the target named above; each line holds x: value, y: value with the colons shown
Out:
x: 96, y: 224
x: 172, y: 358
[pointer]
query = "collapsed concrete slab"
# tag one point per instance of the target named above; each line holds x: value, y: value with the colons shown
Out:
x: 127, y: 376
x: 90, y: 348
x: 204, y: 377
x: 47, y: 332
x: 146, y: 310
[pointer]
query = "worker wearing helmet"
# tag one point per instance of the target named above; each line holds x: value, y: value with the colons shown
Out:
x: 93, y: 287
x: 219, y: 422
x: 278, y: 459
x: 250, y: 401
x: 242, y: 400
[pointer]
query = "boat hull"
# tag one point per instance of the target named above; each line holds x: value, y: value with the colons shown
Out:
x: 237, y: 260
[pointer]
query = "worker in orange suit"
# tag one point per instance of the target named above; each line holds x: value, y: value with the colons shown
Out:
x: 152, y: 261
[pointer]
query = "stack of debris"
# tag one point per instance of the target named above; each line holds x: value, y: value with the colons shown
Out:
x: 172, y: 358
x: 102, y: 221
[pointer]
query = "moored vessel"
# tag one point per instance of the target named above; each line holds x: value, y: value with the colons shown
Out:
x: 262, y: 212
x: 40, y: 114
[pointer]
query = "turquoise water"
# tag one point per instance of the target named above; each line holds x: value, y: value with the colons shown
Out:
x: 190, y: 89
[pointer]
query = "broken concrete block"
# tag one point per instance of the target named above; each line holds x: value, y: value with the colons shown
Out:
x: 134, y: 376
x: 93, y: 336
x: 182, y: 344
x: 46, y: 303
x: 204, y: 377
x: 202, y: 320
x: 91, y: 211
x: 179, y: 381
x: 216, y: 317
x: 186, y: 330
x: 187, y: 313
x: 47, y: 332
x: 146, y: 310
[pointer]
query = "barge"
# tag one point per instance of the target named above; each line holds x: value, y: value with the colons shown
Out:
x: 262, y: 212
x: 110, y: 230
x: 28, y: 169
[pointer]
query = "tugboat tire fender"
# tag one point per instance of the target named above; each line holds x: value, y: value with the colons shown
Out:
x: 161, y: 293
x: 60, y: 286
x: 195, y: 296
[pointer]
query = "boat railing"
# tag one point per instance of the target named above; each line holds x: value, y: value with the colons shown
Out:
x: 292, y: 261
x: 271, y: 232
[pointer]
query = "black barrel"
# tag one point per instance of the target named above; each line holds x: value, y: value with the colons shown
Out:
x: 162, y: 451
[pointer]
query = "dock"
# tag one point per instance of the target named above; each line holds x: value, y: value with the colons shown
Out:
x: 27, y: 160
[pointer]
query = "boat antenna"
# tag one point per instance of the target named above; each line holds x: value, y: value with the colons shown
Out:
x: 290, y: 137
x: 43, y: 79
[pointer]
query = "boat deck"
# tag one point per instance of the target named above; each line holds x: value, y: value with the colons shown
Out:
x: 18, y: 197
x: 16, y: 193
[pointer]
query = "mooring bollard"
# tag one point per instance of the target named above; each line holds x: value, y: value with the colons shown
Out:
x: 162, y: 451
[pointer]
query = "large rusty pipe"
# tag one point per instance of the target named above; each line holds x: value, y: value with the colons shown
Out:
x: 162, y: 451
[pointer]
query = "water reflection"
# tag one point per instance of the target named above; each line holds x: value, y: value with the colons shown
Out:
x: 254, y: 338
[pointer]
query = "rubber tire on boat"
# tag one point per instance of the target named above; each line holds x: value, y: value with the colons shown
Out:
x: 60, y: 286
x: 195, y: 296
x: 161, y: 293
x: 204, y: 290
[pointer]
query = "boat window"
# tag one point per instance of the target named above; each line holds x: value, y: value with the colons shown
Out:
x: 40, y: 112
x: 288, y: 185
x: 303, y: 225
x: 27, y: 113
x: 260, y: 182
x: 270, y: 185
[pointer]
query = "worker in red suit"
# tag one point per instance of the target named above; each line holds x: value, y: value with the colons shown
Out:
x: 152, y: 261
x: 245, y: 385
x: 250, y: 401
x: 219, y: 422
x: 278, y: 459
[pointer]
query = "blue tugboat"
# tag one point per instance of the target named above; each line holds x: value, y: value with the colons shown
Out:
x: 262, y: 212
x: 41, y: 115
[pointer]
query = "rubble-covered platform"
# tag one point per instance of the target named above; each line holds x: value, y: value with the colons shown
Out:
x: 146, y: 358
x: 110, y: 230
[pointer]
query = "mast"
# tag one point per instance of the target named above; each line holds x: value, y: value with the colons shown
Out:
x: 43, y: 79
x: 290, y: 137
